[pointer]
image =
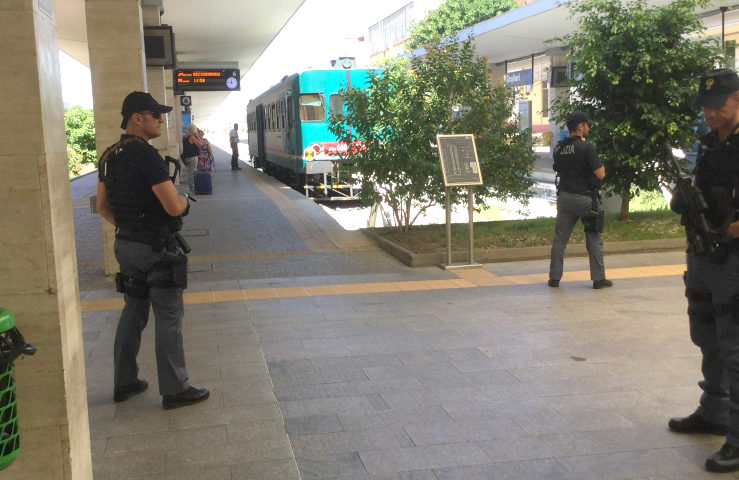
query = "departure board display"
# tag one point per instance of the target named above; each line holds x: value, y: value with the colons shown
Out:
x: 459, y: 162
x: 207, y: 80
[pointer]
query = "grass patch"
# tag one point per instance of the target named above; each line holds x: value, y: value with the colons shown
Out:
x: 533, y: 232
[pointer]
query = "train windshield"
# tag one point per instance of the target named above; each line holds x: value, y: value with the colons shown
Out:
x: 312, y: 108
x: 335, y: 104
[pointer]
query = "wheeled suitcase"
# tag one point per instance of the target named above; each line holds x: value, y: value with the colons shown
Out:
x: 203, y: 183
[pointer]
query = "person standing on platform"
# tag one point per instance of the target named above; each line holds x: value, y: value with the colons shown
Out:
x: 579, y: 173
x: 136, y: 194
x: 191, y: 144
x: 233, y: 137
x: 712, y: 277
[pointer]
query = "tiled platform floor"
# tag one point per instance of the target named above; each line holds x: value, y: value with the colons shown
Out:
x: 325, y: 377
x: 510, y: 382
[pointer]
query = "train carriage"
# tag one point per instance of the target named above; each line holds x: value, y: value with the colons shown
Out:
x: 288, y: 132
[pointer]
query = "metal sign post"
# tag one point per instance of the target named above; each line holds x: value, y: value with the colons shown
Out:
x: 460, y: 167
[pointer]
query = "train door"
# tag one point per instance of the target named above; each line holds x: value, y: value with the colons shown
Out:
x: 261, y: 150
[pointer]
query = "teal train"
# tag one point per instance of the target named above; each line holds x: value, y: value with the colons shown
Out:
x: 288, y: 130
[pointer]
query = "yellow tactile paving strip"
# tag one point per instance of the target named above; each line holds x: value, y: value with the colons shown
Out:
x: 467, y: 279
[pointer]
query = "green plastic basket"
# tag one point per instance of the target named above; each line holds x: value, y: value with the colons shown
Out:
x: 10, y: 446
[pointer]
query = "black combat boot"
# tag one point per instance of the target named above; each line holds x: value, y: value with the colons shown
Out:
x: 725, y: 460
x: 694, y: 423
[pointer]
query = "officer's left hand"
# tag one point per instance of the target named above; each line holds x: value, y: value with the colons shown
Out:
x: 733, y: 229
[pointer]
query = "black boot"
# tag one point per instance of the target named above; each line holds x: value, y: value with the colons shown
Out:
x: 725, y: 460
x: 695, y: 424
x: 187, y: 397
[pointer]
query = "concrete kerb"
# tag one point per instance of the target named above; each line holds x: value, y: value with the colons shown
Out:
x: 496, y: 255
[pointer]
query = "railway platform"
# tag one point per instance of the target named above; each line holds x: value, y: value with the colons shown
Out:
x: 328, y: 359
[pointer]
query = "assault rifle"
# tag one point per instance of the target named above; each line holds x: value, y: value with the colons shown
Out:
x: 689, y: 201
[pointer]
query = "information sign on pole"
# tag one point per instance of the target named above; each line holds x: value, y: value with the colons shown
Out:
x: 459, y: 161
x: 460, y: 167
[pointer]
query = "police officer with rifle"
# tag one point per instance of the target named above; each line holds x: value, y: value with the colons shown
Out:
x: 579, y: 173
x: 136, y: 194
x: 708, y: 206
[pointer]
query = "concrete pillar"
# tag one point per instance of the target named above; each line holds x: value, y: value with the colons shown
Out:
x: 117, y: 64
x: 175, y: 119
x: 38, y: 264
x: 155, y: 80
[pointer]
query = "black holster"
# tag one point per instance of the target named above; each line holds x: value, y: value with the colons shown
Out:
x: 170, y: 272
x: 594, y: 221
x: 130, y: 286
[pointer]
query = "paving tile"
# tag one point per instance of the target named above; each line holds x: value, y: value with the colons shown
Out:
x: 395, y: 417
x: 258, y: 430
x: 479, y: 428
x: 417, y: 458
x: 548, y: 469
x: 326, y: 406
x: 330, y: 466
x: 346, y: 442
x: 278, y: 469
x: 413, y: 475
x: 133, y: 444
x: 629, y: 464
x: 192, y: 418
x: 233, y: 453
x: 313, y: 425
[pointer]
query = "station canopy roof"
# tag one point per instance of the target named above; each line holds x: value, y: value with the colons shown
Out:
x: 525, y: 31
x: 206, y: 32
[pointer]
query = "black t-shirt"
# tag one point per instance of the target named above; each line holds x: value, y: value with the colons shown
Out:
x: 575, y: 160
x: 188, y: 149
x: 148, y: 168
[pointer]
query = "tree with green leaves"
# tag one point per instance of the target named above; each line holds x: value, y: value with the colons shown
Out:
x: 455, y: 15
x: 394, y: 122
x: 80, y: 129
x: 635, y: 72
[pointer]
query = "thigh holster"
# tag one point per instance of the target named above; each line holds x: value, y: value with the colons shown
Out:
x: 130, y: 286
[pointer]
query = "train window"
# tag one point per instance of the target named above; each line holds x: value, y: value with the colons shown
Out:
x: 273, y: 116
x: 283, y: 115
x: 290, y: 113
x: 312, y: 108
x: 336, y: 104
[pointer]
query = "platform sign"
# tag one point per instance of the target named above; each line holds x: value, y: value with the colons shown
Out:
x: 459, y: 162
x: 207, y: 80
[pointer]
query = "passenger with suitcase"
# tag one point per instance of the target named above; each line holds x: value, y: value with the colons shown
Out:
x: 203, y: 177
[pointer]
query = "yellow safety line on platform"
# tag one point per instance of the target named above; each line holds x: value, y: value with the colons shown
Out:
x: 467, y: 279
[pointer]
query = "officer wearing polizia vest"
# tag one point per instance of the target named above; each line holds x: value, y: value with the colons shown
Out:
x: 712, y: 278
x: 136, y: 194
x: 579, y: 173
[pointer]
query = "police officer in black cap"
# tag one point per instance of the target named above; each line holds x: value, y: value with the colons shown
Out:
x: 712, y: 278
x: 135, y: 194
x: 579, y: 172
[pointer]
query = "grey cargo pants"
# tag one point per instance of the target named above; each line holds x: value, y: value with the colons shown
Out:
x: 137, y: 260
x: 713, y: 309
x: 570, y: 208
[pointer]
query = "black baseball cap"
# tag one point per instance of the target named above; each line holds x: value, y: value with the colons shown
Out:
x: 136, y: 102
x: 576, y: 118
x: 716, y: 86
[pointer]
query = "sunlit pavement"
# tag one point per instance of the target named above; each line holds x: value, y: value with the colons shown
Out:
x: 328, y: 359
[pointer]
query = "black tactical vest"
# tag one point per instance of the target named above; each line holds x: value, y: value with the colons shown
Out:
x: 717, y: 176
x: 137, y: 217
x: 575, y: 175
